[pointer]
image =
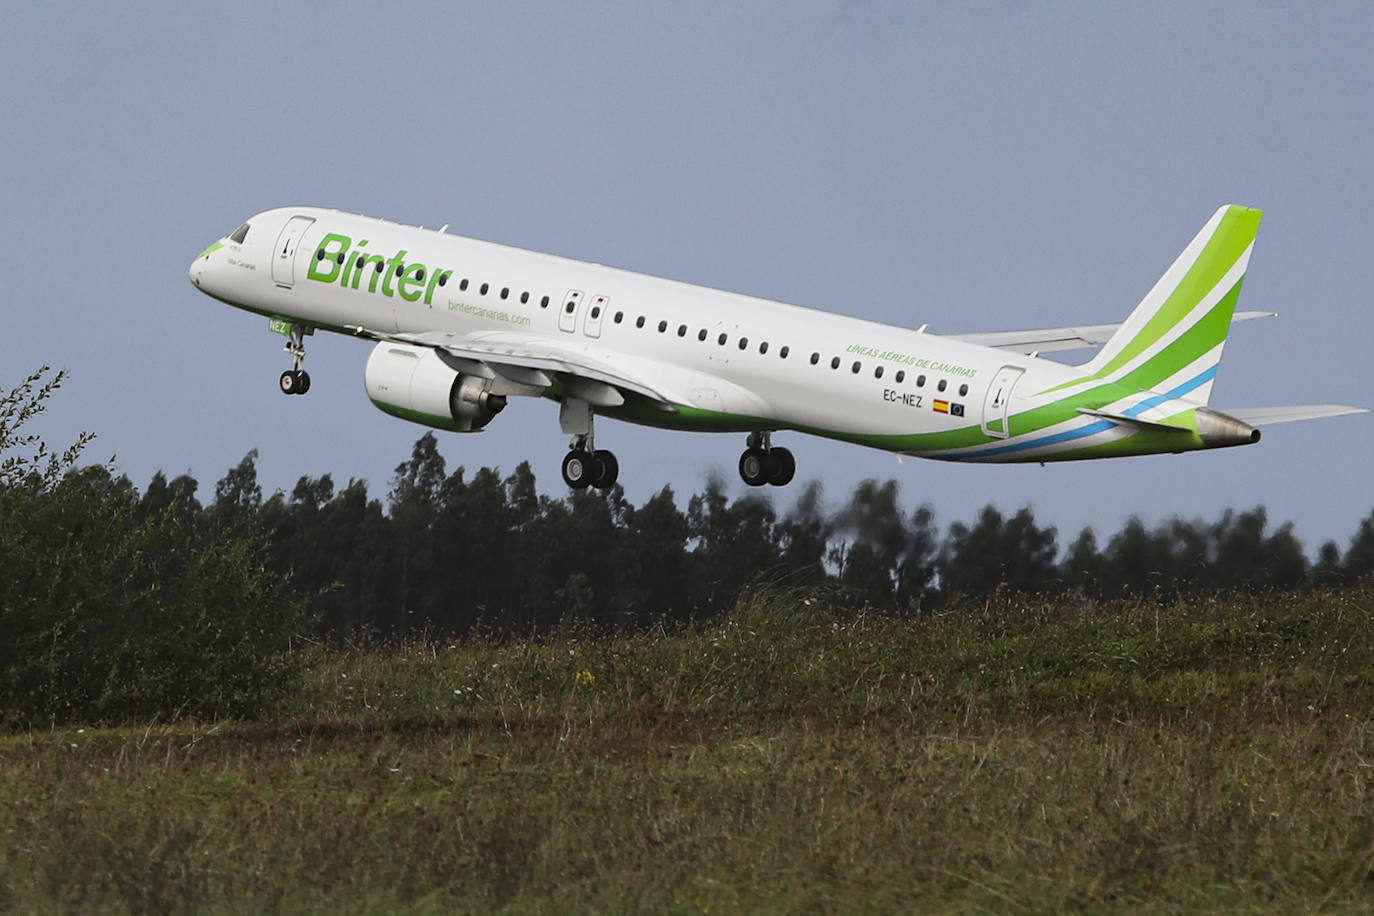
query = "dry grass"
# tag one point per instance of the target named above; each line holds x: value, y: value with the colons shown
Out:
x: 793, y: 759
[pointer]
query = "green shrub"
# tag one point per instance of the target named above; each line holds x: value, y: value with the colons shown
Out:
x: 108, y: 614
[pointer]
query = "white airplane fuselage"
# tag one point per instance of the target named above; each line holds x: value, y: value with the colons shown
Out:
x: 447, y: 309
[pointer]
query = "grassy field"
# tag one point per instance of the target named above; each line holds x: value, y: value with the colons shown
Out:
x: 794, y: 758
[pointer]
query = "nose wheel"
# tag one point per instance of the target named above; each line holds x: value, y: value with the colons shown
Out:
x: 296, y: 380
x: 763, y: 463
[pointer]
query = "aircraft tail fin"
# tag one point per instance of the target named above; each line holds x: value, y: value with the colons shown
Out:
x: 1174, y: 338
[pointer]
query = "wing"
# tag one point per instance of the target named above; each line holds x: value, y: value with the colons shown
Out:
x: 1071, y: 338
x: 536, y: 361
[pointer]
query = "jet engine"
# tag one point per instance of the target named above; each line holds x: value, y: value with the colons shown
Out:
x: 416, y: 384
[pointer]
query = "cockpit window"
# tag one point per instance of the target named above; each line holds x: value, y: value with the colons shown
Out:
x: 240, y: 234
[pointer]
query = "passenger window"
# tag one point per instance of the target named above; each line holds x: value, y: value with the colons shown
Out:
x: 920, y: 381
x: 702, y: 334
x: 524, y: 297
x: 419, y: 274
x: 743, y: 342
x: 835, y: 363
x: 639, y: 322
x: 721, y: 340
x: 485, y: 287
x: 443, y: 277
x: 815, y: 358
x: 543, y: 303
x: 856, y: 367
x: 505, y: 291
x: 596, y: 311
x: 340, y: 258
x: 619, y: 317
x: 782, y: 354
x: 901, y: 376
x: 682, y: 330
x: 963, y: 391
x: 878, y: 372
x: 662, y: 326
x: 463, y: 283
x: 763, y: 347
x: 942, y: 386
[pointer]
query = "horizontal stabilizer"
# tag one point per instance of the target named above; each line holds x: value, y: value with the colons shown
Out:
x: 1133, y: 422
x: 1257, y: 416
x: 1046, y: 340
x: 1214, y: 428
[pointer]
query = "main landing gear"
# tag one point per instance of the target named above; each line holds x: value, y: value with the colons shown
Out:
x: 585, y: 465
x: 763, y: 463
x: 297, y: 380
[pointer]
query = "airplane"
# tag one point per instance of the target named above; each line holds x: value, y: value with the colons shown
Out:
x: 461, y: 326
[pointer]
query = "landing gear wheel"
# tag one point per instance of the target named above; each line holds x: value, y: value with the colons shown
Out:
x: 784, y: 467
x: 607, y: 468
x: 761, y: 463
x: 294, y: 381
x: 578, y: 469
x: 753, y: 467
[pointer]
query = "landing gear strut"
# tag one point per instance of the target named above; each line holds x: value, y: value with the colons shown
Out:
x: 585, y: 465
x: 764, y: 463
x: 297, y: 380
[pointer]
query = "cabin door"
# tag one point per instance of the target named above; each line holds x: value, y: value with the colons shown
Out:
x: 997, y: 406
x: 284, y: 259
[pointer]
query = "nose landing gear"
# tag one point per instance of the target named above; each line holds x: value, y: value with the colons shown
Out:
x: 297, y: 380
x: 762, y: 463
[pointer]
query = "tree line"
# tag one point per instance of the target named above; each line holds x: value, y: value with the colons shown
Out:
x: 449, y: 550
x: 120, y: 604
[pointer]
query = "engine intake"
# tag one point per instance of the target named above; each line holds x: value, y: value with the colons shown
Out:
x: 414, y: 383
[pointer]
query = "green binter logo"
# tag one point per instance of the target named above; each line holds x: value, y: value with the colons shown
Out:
x: 336, y: 260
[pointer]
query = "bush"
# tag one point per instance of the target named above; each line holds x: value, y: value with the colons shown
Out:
x: 107, y: 614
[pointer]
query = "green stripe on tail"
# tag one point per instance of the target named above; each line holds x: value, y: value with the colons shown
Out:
x: 1177, y: 299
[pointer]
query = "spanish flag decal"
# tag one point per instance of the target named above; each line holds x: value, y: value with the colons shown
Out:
x: 942, y: 406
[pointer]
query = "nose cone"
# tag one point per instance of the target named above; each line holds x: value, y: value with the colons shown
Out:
x: 201, y: 264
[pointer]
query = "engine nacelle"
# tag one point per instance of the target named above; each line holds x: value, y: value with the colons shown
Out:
x: 414, y: 383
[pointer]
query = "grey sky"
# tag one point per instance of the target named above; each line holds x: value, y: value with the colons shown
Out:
x: 977, y: 168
